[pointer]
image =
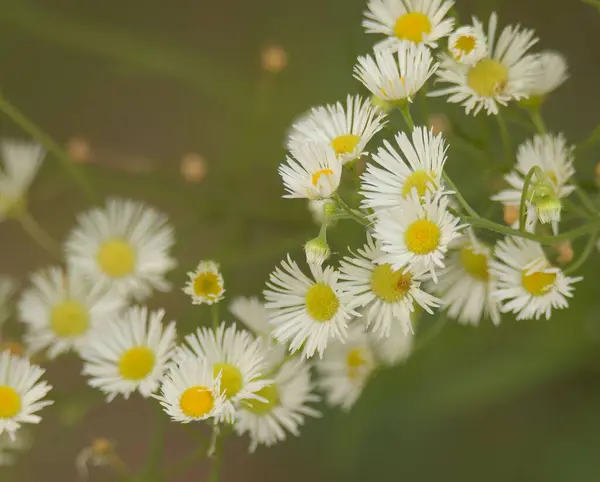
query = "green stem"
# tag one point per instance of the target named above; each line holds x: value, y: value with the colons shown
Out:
x: 504, y: 134
x: 432, y: 333
x: 215, y: 472
x: 462, y: 201
x: 185, y: 462
x: 50, y: 144
x: 39, y: 235
x: 150, y: 470
x: 214, y: 313
x: 586, y: 201
x: 537, y: 120
x: 585, y: 254
x: 534, y: 171
x: 351, y: 212
x: 405, y: 109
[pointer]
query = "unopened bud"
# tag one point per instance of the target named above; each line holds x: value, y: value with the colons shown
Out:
x: 193, y: 167
x: 439, y: 123
x: 317, y: 251
x: 546, y: 202
x: 565, y: 252
x: 274, y: 59
x: 511, y: 214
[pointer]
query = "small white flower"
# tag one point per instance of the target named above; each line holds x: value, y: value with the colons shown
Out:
x: 387, y: 296
x: 551, y: 73
x: 506, y: 73
x: 468, y: 44
x: 61, y: 309
x: 525, y: 282
x: 11, y: 446
x: 123, y: 246
x: 305, y: 312
x: 21, y: 393
x: 395, y: 348
x: 205, y: 284
x: 416, y: 235
x: 21, y: 162
x: 416, y: 167
x: 347, y: 129
x: 346, y: 368
x: 418, y: 21
x: 313, y: 171
x: 396, y: 77
x: 235, y: 356
x: 129, y: 353
x: 7, y: 288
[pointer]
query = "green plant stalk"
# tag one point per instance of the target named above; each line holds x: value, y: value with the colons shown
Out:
x: 404, y: 108
x: 537, y: 120
x: 351, y: 212
x: 214, y: 313
x: 215, y: 471
x: 585, y: 254
x: 534, y: 171
x: 39, y: 235
x: 462, y: 201
x: 586, y: 201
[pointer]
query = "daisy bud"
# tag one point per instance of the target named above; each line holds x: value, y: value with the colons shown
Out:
x: 274, y: 59
x: 511, y: 214
x: 565, y: 253
x: 546, y: 202
x: 317, y: 251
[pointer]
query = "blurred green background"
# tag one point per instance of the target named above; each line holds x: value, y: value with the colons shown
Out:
x: 142, y: 84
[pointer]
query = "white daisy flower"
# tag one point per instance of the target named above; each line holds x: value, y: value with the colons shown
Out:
x: 418, y: 21
x: 7, y: 288
x: 506, y: 73
x: 555, y: 159
x: 525, y: 283
x: 551, y: 73
x: 285, y: 403
x: 21, y: 162
x: 348, y: 129
x: 387, y: 295
x: 61, y: 309
x: 123, y: 246
x: 346, y: 368
x: 396, y: 76
x: 306, y: 312
x: 11, y: 446
x: 129, y: 353
x: 465, y: 286
x: 205, y: 284
x: 416, y: 167
x: 395, y: 348
x: 416, y: 235
x: 252, y: 313
x: 468, y: 44
x: 313, y: 171
x: 234, y: 354
x: 189, y: 392
x: 21, y: 393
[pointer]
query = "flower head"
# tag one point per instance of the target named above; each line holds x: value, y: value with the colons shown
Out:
x: 205, y: 285
x: 468, y: 44
x: 551, y: 73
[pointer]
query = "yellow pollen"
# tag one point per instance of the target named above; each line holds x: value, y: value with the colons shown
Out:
x: 465, y: 44
x: 116, y: 258
x: 355, y: 360
x: 422, y: 237
x: 136, y: 363
x: 345, y: 144
x: 197, y: 401
x: 389, y: 285
x: 69, y: 318
x: 321, y: 302
x: 422, y: 181
x: 271, y: 394
x: 488, y: 78
x: 475, y: 264
x: 231, y: 378
x: 10, y: 402
x: 538, y: 283
x: 317, y: 175
x: 411, y: 26
x: 207, y: 285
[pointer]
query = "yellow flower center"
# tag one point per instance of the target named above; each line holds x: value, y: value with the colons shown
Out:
x: 69, y: 318
x: 464, y: 44
x: 136, y: 363
x: 538, y: 283
x: 116, y: 258
x: 345, y: 144
x: 488, y: 78
x: 317, y: 175
x: 389, y: 285
x: 475, y: 264
x: 355, y: 360
x: 422, y: 237
x: 231, y: 378
x: 197, y: 401
x: 10, y: 402
x: 419, y: 180
x: 321, y: 302
x: 207, y: 285
x: 271, y: 394
x: 411, y: 26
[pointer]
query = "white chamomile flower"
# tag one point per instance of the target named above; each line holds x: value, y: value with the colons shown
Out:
x: 348, y: 129
x: 551, y: 73
x: 416, y: 167
x: 7, y: 288
x: 189, y: 392
x: 205, y: 284
x: 387, y: 295
x: 313, y: 171
x: 506, y: 73
x: 468, y: 44
x: 129, y: 353
x: 252, y: 313
x: 234, y: 355
x: 10, y: 447
x: 395, y: 348
x: 284, y: 405
x: 123, y: 246
x: 418, y: 21
x: 525, y: 283
x: 396, y: 76
x: 61, y: 309
x: 416, y: 235
x: 307, y: 312
x: 21, y: 162
x: 21, y: 393
x: 555, y: 159
x: 465, y: 286
x: 346, y: 368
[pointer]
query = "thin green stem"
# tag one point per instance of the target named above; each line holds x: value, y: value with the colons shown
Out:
x: 534, y: 171
x: 537, y: 120
x: 351, y: 212
x: 50, y: 144
x: 150, y: 469
x: 185, y: 462
x: 214, y: 314
x: 505, y: 136
x: 585, y: 254
x: 462, y: 201
x: 586, y: 201
x: 215, y: 472
x: 405, y: 110
x: 39, y: 235
x: 432, y: 333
